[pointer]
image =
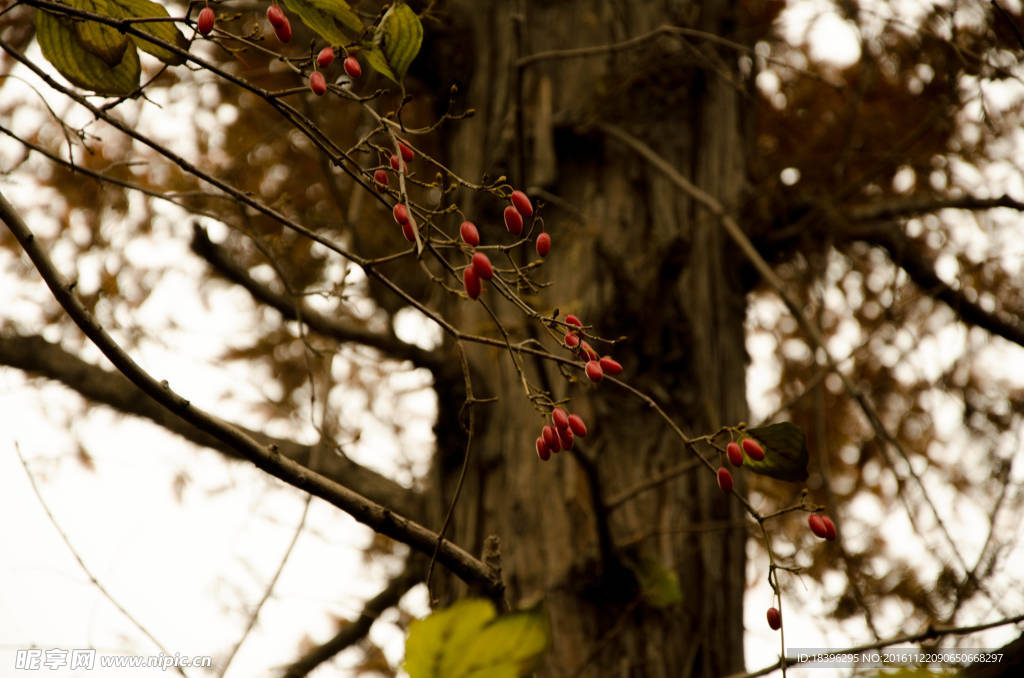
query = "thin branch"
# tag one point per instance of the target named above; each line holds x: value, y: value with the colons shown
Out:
x: 354, y: 631
x: 81, y: 563
x: 270, y: 587
x: 268, y: 458
x: 911, y: 207
x: 34, y: 355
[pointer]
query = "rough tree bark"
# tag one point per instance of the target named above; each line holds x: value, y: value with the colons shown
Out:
x: 640, y: 261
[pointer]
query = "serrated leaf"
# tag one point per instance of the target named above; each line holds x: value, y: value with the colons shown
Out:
x: 468, y: 640
x: 333, y: 20
x: 106, y: 42
x: 785, y: 450
x: 163, y: 30
x: 60, y: 46
x: 396, y: 42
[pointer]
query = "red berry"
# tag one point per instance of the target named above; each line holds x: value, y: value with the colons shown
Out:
x: 753, y: 448
x: 276, y: 17
x: 397, y: 164
x: 774, y: 618
x: 205, y: 21
x: 409, y: 229
x: 406, y: 152
x: 522, y: 203
x: 549, y: 435
x: 401, y: 213
x: 470, y: 235
x: 565, y: 437
x: 591, y: 353
x: 471, y: 282
x: 610, y: 365
x: 543, y: 244
x: 573, y: 320
x: 594, y: 371
x: 482, y: 266
x: 830, y: 527
x: 817, y: 526
x: 725, y: 480
x: 560, y: 418
x: 572, y: 340
x: 284, y: 31
x: 732, y: 450
x: 325, y: 58
x: 577, y: 425
x: 381, y: 177
x: 353, y: 68
x: 317, y: 83
x: 542, y: 450
x: 513, y: 220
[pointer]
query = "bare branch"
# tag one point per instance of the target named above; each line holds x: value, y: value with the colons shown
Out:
x: 37, y: 356
x: 266, y: 457
x: 356, y: 630
x: 912, y: 207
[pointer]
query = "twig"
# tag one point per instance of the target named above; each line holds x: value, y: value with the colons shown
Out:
x: 81, y: 563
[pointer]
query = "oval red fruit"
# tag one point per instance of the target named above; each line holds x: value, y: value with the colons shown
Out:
x: 482, y: 266
x: 817, y: 526
x: 610, y: 365
x: 275, y: 15
x: 830, y: 527
x: 205, y: 21
x: 325, y: 58
x: 542, y: 450
x: 401, y: 213
x: 317, y: 83
x: 471, y: 282
x: 732, y: 450
x: 513, y: 220
x: 560, y: 418
x: 591, y: 353
x: 577, y: 426
x: 409, y: 230
x: 594, y: 371
x: 381, y: 177
x: 725, y: 480
x: 753, y: 449
x: 565, y: 437
x: 572, y: 340
x: 406, y: 152
x: 284, y: 31
x: 549, y: 435
x: 774, y: 618
x: 469, y: 234
x: 396, y: 163
x: 573, y: 320
x: 521, y: 203
x: 353, y: 68
x: 543, y: 244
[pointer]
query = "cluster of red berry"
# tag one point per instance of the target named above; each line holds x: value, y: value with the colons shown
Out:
x: 596, y: 366
x: 561, y: 435
x: 479, y: 268
x: 735, y: 456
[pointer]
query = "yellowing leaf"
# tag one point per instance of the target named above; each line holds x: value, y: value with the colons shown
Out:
x: 163, y: 30
x: 396, y: 42
x: 467, y: 640
x: 333, y: 20
x: 106, y: 42
x: 785, y: 451
x: 61, y: 47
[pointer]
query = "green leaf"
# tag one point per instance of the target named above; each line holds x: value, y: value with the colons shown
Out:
x: 333, y: 20
x: 468, y: 640
x: 785, y: 451
x: 59, y: 43
x: 162, y: 30
x: 659, y: 585
x: 395, y: 43
x: 106, y: 42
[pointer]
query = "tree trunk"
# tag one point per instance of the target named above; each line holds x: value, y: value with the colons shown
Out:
x: 643, y: 262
